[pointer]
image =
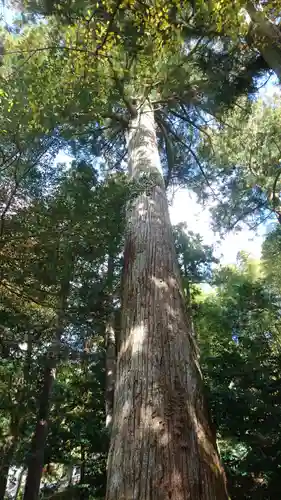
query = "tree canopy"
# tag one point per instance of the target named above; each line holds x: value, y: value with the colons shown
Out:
x: 71, y: 78
x: 242, y: 158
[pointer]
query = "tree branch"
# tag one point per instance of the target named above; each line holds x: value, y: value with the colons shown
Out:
x: 274, y: 186
x: 168, y: 147
x: 120, y: 86
x: 196, y: 159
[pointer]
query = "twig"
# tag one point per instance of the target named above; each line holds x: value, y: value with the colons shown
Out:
x: 191, y: 122
x: 246, y: 213
x: 262, y: 221
x: 22, y: 295
x: 197, y: 161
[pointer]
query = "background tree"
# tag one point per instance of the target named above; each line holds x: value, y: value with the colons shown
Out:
x: 41, y: 240
x: 239, y: 332
x: 271, y: 258
x: 253, y: 23
x: 242, y: 159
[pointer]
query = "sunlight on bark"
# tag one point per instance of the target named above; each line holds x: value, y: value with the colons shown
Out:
x: 160, y: 283
x: 141, y: 210
x: 161, y: 446
x: 135, y: 339
x: 138, y: 335
x: 108, y: 420
x: 126, y: 410
x: 204, y: 442
x: 155, y: 423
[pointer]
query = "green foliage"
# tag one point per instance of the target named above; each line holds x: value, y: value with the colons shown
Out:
x: 271, y: 258
x: 69, y: 79
x: 239, y: 332
x: 80, y: 70
x: 238, y: 19
x: 242, y: 157
x: 195, y: 259
x: 43, y: 243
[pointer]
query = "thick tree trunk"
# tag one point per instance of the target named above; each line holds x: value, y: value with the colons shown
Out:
x: 162, y: 446
x: 36, y: 462
x: 267, y: 38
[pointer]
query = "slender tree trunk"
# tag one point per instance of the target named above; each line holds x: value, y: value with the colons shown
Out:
x: 110, y: 348
x: 161, y: 444
x: 4, y: 471
x: 19, y: 481
x: 83, y: 464
x: 6, y: 457
x: 69, y: 475
x: 36, y: 462
x: 84, y: 494
x: 266, y: 36
x: 110, y: 367
x: 66, y: 479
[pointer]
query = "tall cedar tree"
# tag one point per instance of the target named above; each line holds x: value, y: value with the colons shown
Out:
x: 143, y: 72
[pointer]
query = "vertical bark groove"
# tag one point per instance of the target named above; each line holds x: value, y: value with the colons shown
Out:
x: 161, y: 445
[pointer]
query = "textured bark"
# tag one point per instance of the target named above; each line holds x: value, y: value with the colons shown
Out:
x: 162, y: 446
x: 189, y: 309
x: 266, y: 38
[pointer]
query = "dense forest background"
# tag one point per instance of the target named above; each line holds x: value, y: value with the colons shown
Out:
x: 70, y: 79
